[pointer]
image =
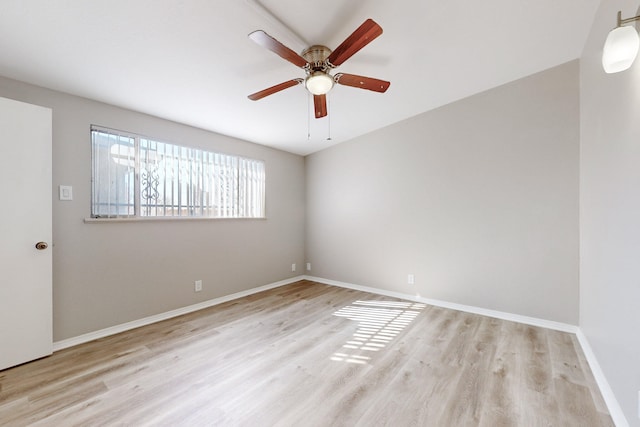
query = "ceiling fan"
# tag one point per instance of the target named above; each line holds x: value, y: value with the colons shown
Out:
x: 317, y: 61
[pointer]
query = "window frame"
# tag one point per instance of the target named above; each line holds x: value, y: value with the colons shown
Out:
x: 233, y: 206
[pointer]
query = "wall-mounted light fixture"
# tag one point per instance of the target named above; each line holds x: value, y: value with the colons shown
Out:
x: 621, y: 46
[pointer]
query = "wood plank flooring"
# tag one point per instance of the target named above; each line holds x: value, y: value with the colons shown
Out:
x: 309, y: 354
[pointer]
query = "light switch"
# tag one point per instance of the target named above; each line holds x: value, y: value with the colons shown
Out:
x: 66, y: 192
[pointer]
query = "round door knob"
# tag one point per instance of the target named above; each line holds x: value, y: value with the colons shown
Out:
x: 41, y: 246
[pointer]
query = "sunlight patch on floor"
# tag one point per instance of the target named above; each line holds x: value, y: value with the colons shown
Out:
x: 379, y: 322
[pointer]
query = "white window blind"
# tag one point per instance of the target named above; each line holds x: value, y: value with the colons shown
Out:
x: 134, y: 176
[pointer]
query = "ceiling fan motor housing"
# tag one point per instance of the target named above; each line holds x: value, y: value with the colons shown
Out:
x: 316, y: 56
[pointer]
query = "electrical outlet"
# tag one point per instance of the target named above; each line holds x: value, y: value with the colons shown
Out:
x: 411, y: 279
x: 639, y: 404
x: 197, y: 285
x: 293, y: 267
x: 308, y: 266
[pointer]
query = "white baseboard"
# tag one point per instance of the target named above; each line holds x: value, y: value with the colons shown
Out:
x: 81, y: 339
x: 605, y: 389
x: 549, y: 324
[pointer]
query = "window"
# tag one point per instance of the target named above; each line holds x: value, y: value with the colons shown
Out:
x: 133, y: 176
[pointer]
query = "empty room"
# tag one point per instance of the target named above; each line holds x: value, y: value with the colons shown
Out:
x: 275, y: 213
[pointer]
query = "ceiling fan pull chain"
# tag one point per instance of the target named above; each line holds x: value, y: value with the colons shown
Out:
x: 329, y: 118
x: 308, y: 116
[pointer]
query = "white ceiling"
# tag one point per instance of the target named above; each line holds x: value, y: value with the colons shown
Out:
x: 191, y: 60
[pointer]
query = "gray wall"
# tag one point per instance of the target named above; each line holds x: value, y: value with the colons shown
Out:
x: 610, y: 212
x: 108, y: 274
x: 478, y: 199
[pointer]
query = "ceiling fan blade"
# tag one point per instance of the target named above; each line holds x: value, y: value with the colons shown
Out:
x: 266, y: 41
x: 320, y: 105
x: 274, y: 89
x: 362, y: 82
x: 361, y: 37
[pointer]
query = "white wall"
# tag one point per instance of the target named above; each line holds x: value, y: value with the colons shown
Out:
x: 478, y: 199
x: 109, y: 274
x: 610, y: 212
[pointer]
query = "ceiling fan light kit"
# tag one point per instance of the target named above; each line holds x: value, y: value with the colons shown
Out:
x: 317, y: 61
x: 319, y: 83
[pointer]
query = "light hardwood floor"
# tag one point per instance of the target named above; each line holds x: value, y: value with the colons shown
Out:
x: 309, y: 354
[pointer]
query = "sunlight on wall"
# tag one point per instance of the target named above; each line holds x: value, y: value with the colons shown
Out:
x: 379, y: 322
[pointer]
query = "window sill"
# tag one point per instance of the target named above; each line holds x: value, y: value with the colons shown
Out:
x: 163, y: 218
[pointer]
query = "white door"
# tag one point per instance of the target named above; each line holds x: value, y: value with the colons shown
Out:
x: 25, y: 220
